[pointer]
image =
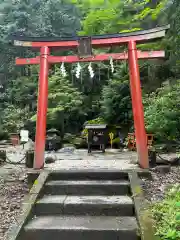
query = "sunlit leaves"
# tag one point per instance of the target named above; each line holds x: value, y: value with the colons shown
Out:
x: 110, y: 16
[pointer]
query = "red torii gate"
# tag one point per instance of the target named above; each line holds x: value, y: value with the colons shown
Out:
x: 100, y: 41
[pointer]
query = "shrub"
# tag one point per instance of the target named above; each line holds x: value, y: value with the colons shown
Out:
x: 162, y: 113
x: 167, y: 215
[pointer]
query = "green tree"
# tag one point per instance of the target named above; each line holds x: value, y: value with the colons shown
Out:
x: 65, y: 104
x: 113, y: 16
x: 116, y: 100
x: 32, y: 18
x: 18, y: 102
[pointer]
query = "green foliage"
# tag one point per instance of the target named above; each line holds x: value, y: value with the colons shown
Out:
x: 18, y: 103
x: 79, y: 142
x: 98, y: 120
x: 65, y: 103
x: 167, y: 215
x: 174, y: 40
x: 116, y: 100
x: 116, y: 142
x: 15, y: 118
x: 105, y: 16
x: 63, y: 96
x: 39, y: 18
x: 150, y: 9
x: 56, y: 18
x: 162, y: 112
x: 32, y: 18
x: 111, y: 16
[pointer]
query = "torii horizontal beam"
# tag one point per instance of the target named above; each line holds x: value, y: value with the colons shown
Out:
x: 97, y: 41
x: 97, y: 58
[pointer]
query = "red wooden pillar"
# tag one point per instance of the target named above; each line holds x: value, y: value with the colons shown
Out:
x: 42, y: 109
x: 137, y: 106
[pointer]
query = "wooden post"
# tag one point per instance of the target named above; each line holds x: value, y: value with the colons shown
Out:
x: 42, y: 109
x: 137, y: 106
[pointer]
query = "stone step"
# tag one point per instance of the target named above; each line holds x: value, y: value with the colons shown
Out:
x: 88, y: 174
x: 88, y: 187
x: 81, y: 228
x: 85, y: 205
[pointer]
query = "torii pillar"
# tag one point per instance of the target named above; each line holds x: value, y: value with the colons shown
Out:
x: 42, y: 108
x: 137, y: 106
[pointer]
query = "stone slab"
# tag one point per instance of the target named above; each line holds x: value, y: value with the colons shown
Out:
x: 60, y: 199
x: 87, y: 187
x: 80, y: 159
x: 88, y: 174
x: 91, y: 200
x: 85, y: 205
x: 83, y: 222
x: 88, y: 182
x: 91, y: 164
x: 103, y: 200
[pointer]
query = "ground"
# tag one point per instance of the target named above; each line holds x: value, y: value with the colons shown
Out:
x: 13, y: 189
x: 13, y: 181
x: 154, y: 189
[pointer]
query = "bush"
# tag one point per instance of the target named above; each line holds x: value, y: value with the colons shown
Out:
x: 98, y: 120
x: 116, y: 142
x: 162, y: 113
x: 167, y: 215
x: 79, y: 142
x: 68, y: 138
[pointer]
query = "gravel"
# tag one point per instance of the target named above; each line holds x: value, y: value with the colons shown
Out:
x: 13, y: 189
x: 154, y: 189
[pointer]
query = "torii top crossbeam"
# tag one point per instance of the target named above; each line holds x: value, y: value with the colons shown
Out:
x: 99, y: 41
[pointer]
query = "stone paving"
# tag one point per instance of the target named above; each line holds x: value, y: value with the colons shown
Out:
x: 71, y: 158
x: 80, y: 159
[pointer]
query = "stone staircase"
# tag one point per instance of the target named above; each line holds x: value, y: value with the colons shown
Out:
x: 84, y: 206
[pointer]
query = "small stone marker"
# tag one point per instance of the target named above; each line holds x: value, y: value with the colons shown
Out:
x: 163, y: 168
x: 24, y: 135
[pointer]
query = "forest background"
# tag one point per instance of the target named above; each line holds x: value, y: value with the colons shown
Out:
x: 106, y: 97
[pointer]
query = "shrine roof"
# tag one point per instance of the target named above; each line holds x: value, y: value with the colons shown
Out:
x: 154, y: 31
x: 96, y: 126
x: 52, y: 130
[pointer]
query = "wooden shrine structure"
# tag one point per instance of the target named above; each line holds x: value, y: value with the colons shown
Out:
x: 85, y: 46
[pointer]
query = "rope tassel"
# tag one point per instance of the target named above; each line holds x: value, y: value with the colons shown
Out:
x: 63, y: 70
x: 78, y: 70
x: 91, y: 72
x: 112, y: 65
